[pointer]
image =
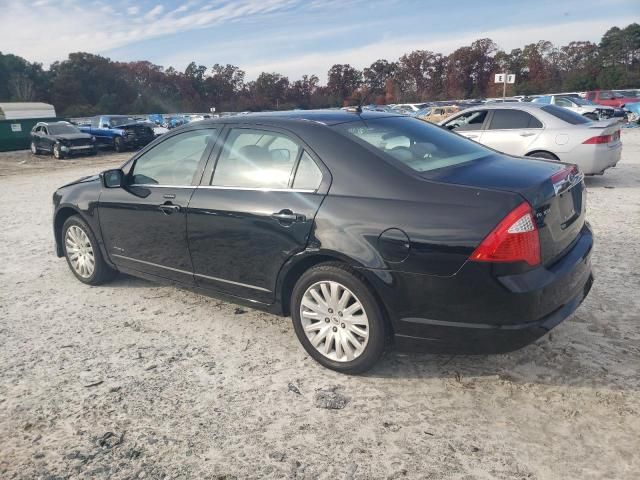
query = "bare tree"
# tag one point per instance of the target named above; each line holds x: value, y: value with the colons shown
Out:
x: 21, y: 88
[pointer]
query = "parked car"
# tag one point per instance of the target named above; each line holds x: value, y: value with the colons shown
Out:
x: 120, y: 132
x: 61, y: 139
x: 157, y: 129
x: 543, y: 131
x: 610, y: 98
x: 437, y: 114
x: 422, y: 235
x: 578, y: 105
x: 409, y: 107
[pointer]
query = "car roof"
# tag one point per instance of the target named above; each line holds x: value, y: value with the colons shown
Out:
x: 58, y: 122
x: 509, y: 105
x: 325, y: 117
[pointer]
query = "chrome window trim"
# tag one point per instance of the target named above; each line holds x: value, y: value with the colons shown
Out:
x: 191, y: 273
x: 217, y: 187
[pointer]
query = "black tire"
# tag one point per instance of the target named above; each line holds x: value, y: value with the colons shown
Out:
x: 118, y: 144
x: 545, y: 155
x: 591, y: 116
x: 102, y: 272
x: 349, y: 278
x: 57, y: 153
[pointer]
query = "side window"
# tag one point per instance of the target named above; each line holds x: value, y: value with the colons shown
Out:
x: 95, y: 122
x: 44, y: 131
x: 254, y: 158
x: 174, y: 161
x: 468, y: 121
x: 563, y: 102
x: 591, y: 96
x: 513, y: 119
x: 308, y: 176
x: 606, y: 95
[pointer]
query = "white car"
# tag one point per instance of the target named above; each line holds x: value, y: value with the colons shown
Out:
x: 578, y: 105
x: 543, y: 131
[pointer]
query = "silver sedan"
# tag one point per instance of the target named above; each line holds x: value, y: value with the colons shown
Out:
x: 544, y: 131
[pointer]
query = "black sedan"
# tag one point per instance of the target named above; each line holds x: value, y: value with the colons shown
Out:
x: 61, y: 139
x: 362, y: 226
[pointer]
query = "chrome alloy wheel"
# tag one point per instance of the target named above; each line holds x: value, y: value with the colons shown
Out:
x: 80, y: 251
x: 334, y: 321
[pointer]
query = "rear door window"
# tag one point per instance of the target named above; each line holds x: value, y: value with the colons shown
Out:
x: 511, y: 119
x: 308, y: 175
x: 253, y: 158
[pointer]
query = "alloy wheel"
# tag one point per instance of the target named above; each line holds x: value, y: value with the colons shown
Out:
x: 80, y: 251
x: 335, y: 321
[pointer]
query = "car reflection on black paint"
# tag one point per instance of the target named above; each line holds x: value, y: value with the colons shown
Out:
x: 367, y: 228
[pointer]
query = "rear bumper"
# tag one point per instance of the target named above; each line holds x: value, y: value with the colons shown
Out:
x: 470, y: 338
x: 595, y: 159
x: 476, y: 311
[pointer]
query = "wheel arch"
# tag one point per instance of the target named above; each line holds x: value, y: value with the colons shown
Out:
x: 296, y: 267
x: 61, y: 216
x: 540, y: 150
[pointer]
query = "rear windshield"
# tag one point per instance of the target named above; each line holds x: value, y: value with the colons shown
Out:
x: 415, y: 143
x: 566, y: 115
x: 62, y: 129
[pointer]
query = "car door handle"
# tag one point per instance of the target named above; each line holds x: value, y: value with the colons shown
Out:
x: 526, y: 134
x: 168, y: 209
x: 288, y: 216
x: 472, y: 136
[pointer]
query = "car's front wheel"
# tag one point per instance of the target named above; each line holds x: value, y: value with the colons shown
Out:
x: 83, y: 253
x: 34, y: 148
x: 57, y: 152
x: 118, y: 144
x: 337, y: 318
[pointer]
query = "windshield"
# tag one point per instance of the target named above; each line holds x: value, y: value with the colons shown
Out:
x: 415, y: 143
x: 116, y: 121
x: 61, y: 129
x: 567, y: 115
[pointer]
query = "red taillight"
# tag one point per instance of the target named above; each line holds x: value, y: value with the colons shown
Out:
x: 515, y: 239
x: 598, y: 140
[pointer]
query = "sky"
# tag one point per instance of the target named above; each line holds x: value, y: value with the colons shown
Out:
x: 292, y: 37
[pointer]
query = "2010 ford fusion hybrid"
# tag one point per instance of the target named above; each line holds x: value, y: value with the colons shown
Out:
x: 366, y: 228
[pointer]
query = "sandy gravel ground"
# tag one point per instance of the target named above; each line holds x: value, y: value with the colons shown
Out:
x: 134, y: 380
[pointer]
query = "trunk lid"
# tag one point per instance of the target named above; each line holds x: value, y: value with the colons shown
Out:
x: 555, y: 191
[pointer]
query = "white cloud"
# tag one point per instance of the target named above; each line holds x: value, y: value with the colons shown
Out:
x: 81, y: 25
x: 391, y: 48
x: 133, y: 10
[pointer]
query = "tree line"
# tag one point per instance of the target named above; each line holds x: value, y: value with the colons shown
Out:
x: 86, y: 84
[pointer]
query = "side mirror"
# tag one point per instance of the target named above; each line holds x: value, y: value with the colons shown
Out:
x: 112, y: 178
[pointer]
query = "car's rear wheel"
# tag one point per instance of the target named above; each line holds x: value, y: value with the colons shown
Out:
x: 83, y: 253
x: 118, y: 144
x: 337, y: 318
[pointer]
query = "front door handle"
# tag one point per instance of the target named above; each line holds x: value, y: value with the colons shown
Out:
x: 288, y: 216
x: 472, y: 136
x: 169, y: 208
x: 526, y: 134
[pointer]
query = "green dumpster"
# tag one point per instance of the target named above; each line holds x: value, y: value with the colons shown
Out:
x: 16, y: 121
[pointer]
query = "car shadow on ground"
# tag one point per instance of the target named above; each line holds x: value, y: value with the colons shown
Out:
x: 541, y: 363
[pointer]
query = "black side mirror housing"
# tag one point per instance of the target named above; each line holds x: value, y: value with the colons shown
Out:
x: 112, y: 178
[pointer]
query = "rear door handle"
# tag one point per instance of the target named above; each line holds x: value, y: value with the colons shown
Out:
x: 472, y: 136
x: 168, y: 209
x: 288, y: 216
x: 526, y: 134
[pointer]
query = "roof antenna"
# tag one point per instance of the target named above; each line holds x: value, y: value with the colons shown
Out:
x: 369, y: 92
